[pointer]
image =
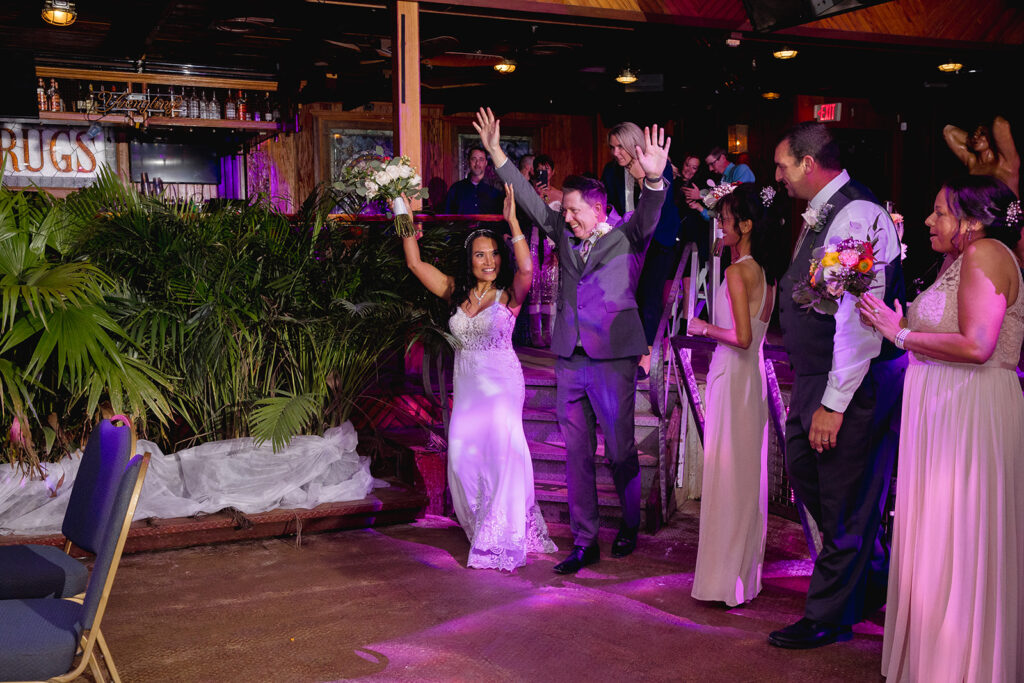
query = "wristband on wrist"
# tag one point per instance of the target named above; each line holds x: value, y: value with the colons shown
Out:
x: 901, y: 338
x: 827, y: 409
x: 517, y: 238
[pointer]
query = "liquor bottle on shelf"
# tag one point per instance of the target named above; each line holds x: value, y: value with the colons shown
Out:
x: 229, y: 107
x: 214, y: 106
x: 41, y: 99
x: 256, y: 107
x: 242, y: 107
x: 55, y: 102
x: 90, y: 104
x: 204, y: 107
x: 172, y: 108
x: 193, y: 105
x: 268, y: 114
x: 182, y: 106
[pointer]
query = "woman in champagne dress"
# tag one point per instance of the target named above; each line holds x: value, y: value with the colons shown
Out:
x: 734, y: 493
x: 490, y: 474
x: 955, y: 609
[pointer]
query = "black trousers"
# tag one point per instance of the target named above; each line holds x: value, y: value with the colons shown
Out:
x: 845, y: 489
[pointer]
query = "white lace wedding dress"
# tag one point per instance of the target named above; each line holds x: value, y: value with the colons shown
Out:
x: 490, y: 473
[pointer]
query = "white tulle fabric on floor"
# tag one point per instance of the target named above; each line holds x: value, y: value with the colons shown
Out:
x: 311, y: 470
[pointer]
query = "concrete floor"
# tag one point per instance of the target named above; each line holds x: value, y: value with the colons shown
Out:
x: 397, y: 604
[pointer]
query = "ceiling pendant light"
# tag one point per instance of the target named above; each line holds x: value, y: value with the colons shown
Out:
x: 950, y: 67
x: 626, y: 77
x: 785, y: 53
x: 59, y: 12
x: 771, y: 95
x: 505, y: 66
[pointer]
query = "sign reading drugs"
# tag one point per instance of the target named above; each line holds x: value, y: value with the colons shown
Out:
x: 51, y: 156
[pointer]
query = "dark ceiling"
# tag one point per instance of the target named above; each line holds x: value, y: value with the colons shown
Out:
x: 338, y: 51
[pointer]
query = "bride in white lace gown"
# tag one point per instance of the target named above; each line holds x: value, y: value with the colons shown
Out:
x: 490, y: 473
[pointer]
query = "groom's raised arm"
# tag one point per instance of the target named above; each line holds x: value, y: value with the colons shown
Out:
x: 489, y: 128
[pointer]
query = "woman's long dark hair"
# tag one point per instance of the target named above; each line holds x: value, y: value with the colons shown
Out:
x: 746, y: 204
x: 464, y: 278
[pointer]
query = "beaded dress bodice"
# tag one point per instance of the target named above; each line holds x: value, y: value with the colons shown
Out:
x: 490, y: 329
x: 935, y: 310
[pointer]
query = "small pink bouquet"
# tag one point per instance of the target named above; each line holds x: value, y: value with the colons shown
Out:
x: 844, y: 267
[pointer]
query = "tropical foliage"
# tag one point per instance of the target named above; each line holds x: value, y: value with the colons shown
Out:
x: 269, y: 326
x: 61, y: 351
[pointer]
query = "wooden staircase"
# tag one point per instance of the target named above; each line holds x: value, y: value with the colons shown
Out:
x: 547, y: 448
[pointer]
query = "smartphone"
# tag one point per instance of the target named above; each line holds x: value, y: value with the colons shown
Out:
x: 542, y: 176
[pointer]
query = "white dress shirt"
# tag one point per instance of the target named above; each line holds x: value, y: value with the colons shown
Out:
x: 855, y: 344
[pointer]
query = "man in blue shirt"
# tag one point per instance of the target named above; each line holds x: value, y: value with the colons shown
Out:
x: 472, y: 195
x: 718, y: 163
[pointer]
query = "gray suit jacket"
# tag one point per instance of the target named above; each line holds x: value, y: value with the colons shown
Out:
x: 596, y: 300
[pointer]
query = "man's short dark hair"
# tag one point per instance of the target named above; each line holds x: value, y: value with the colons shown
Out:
x: 717, y: 152
x: 543, y: 160
x: 475, y: 148
x: 592, y: 191
x: 522, y: 160
x: 813, y: 139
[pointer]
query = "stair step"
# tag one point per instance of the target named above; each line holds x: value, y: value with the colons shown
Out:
x: 558, y: 492
x: 556, y: 452
x: 641, y: 419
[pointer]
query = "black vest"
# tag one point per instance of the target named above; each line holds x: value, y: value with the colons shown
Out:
x: 807, y: 334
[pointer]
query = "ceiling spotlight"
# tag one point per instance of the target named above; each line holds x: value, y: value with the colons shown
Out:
x: 784, y: 53
x: 59, y: 12
x: 950, y: 67
x: 626, y: 77
x: 771, y: 95
x: 505, y: 66
x: 733, y: 40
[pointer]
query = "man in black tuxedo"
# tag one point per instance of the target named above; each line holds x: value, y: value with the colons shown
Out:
x: 841, y: 437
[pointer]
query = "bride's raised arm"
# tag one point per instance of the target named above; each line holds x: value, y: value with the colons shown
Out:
x: 433, y: 279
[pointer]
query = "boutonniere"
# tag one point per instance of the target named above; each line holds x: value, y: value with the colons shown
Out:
x: 816, y: 218
x: 601, y: 230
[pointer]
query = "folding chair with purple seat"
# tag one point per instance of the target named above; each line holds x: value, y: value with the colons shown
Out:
x: 42, y: 571
x: 54, y: 639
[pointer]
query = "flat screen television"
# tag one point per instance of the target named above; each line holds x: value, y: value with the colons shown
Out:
x: 18, y: 100
x: 174, y: 163
x: 772, y: 15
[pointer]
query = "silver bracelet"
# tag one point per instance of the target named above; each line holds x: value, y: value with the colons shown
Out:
x: 517, y: 238
x: 901, y: 338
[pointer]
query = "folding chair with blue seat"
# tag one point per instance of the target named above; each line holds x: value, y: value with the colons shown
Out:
x: 54, y: 639
x: 43, y: 571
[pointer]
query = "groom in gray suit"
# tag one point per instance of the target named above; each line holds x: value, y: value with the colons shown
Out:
x: 598, y: 335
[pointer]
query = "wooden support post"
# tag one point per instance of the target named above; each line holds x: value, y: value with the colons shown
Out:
x: 407, y: 117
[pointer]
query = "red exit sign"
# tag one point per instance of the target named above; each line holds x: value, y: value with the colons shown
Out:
x: 828, y: 112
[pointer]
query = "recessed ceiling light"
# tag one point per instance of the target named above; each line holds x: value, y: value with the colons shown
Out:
x: 626, y: 77
x: 785, y: 53
x: 771, y: 95
x: 950, y: 67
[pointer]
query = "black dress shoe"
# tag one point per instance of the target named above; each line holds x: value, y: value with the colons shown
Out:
x: 579, y: 557
x: 808, y: 633
x: 625, y: 542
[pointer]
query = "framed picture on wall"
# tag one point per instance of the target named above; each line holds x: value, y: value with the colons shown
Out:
x: 346, y: 144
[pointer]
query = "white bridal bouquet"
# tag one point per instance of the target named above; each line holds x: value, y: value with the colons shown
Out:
x: 383, y: 178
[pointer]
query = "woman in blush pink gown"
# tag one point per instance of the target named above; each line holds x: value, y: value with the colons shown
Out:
x: 955, y: 609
